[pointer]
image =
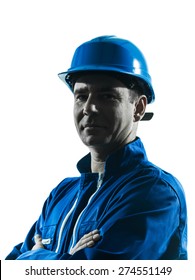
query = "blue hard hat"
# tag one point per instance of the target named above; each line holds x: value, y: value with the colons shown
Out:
x: 113, y: 54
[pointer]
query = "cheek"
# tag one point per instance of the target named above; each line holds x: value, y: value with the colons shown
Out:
x: 76, y: 117
x: 124, y: 114
x: 77, y: 113
x: 125, y: 118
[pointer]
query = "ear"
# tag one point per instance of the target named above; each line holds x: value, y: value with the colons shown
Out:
x: 140, y: 108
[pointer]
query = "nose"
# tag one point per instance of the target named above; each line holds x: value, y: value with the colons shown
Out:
x: 90, y: 106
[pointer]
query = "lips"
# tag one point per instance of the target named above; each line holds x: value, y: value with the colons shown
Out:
x: 92, y: 125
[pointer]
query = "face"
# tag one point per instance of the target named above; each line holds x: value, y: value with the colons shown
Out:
x: 103, y: 113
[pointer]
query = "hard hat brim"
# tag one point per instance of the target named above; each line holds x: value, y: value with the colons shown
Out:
x: 64, y: 76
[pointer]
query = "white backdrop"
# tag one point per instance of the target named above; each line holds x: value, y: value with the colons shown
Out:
x: 38, y: 142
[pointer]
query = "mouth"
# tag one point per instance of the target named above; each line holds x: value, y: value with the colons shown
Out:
x: 92, y: 126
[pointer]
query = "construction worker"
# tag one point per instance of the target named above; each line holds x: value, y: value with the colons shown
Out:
x: 121, y: 206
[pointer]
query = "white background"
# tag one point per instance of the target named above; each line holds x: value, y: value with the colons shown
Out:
x: 38, y: 143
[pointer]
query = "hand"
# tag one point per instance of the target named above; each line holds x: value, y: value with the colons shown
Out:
x: 88, y: 240
x: 38, y: 242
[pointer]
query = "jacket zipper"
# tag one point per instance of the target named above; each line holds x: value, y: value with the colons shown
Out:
x: 99, y: 183
x: 63, y: 225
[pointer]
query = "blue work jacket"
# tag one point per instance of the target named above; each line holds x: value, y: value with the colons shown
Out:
x: 139, y: 209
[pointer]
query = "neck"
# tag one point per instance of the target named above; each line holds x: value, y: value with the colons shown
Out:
x: 97, y: 161
x: 100, y: 154
x: 97, y: 166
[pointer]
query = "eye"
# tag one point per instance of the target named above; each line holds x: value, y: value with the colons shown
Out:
x: 109, y: 96
x: 81, y: 97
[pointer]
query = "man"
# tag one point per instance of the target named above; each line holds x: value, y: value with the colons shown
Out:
x: 122, y: 206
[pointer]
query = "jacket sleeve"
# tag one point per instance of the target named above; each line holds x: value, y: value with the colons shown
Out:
x: 23, y: 247
x: 23, y: 250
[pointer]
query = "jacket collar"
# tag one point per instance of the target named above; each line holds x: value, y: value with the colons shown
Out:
x: 128, y: 157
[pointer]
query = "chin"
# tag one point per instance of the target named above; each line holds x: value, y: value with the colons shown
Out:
x: 94, y: 141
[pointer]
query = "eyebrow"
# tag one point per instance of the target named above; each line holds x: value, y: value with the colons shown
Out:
x: 100, y: 89
x: 80, y: 90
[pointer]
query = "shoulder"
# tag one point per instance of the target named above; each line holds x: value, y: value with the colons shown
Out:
x: 65, y: 185
x: 161, y: 182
